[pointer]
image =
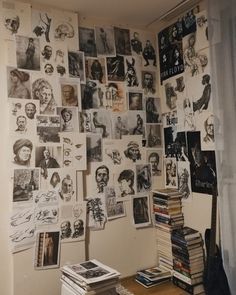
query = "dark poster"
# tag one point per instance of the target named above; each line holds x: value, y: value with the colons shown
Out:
x: 171, y: 51
x: 202, y: 165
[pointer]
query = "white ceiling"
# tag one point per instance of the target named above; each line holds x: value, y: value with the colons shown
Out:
x: 130, y: 12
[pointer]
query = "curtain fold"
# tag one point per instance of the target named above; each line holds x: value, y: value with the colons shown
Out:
x: 222, y: 37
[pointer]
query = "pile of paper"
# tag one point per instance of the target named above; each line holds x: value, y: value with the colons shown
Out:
x: 88, y: 278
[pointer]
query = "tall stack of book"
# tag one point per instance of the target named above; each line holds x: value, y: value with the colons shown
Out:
x: 167, y: 207
x: 188, y: 260
x: 89, y: 278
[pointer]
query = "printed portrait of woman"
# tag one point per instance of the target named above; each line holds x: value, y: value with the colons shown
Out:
x: 22, y: 150
x: 19, y: 84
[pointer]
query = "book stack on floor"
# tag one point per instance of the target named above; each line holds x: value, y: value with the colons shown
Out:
x: 167, y: 207
x: 188, y: 260
x: 89, y: 278
x: 153, y: 276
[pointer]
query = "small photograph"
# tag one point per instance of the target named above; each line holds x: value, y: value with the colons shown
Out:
x: 112, y: 151
x: 70, y: 93
x: 119, y: 125
x: 125, y: 183
x: 186, y: 117
x: 155, y: 158
x: 170, y: 172
x: 115, y: 68
x: 132, y: 72
x: 202, y: 29
x: 153, y: 110
x: 48, y: 128
x: 87, y: 42
x: 149, y: 53
x: 135, y: 101
x: 105, y: 41
x: 28, y: 53
x: 114, y: 209
x: 22, y: 153
x: 141, y: 211
x: 18, y: 84
x: 68, y: 118
x: 144, y: 178
x: 122, y: 41
x: 148, y: 82
x: 76, y: 64
x: 101, y: 123
x: 210, y: 123
x: 61, y: 60
x: 154, y: 135
x: 175, y: 144
x: 115, y: 97
x: 97, y: 216
x: 94, y: 147
x: 41, y: 25
x: 184, y: 181
x: 132, y: 148
x: 89, y: 95
x: 189, y: 22
x: 65, y: 28
x: 25, y: 182
x: 85, y: 123
x: 171, y: 119
x: 96, y: 69
x: 136, y: 120
x: 47, y: 157
x: 47, y: 250
x: 136, y: 42
x: 71, y: 230
x: 43, y: 91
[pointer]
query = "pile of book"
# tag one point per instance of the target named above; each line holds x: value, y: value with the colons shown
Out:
x: 153, y: 276
x: 188, y: 260
x: 167, y: 206
x: 89, y: 278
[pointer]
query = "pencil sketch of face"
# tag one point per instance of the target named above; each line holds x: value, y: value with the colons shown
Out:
x: 126, y: 182
x: 22, y: 149
x: 47, y: 52
x: 12, y: 24
x: 66, y: 192
x: 133, y: 152
x: 30, y: 110
x: 144, y: 181
x: 63, y: 31
x: 66, y: 229
x: 102, y: 178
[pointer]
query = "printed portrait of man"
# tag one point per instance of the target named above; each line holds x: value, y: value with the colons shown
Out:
x: 102, y: 178
x: 67, y: 191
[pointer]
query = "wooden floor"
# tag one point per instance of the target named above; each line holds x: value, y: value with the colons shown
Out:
x: 163, y: 289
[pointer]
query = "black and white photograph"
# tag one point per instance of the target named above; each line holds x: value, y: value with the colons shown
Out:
x: 115, y: 68
x: 87, y: 42
x: 48, y: 128
x: 47, y: 250
x: 68, y: 119
x: 89, y: 95
x: 115, y: 97
x: 184, y: 181
x: 154, y: 136
x: 119, y: 125
x: 143, y: 178
x: 105, y: 41
x: 25, y: 182
x: 135, y: 101
x: 136, y: 42
x: 136, y: 123
x: 202, y: 165
x: 28, y: 53
x: 170, y: 172
x: 115, y: 209
x: 148, y: 82
x: 18, y: 83
x: 155, y: 158
x: 85, y: 123
x: 153, y: 110
x: 170, y: 118
x: 101, y: 123
x: 149, y: 53
x: 72, y: 230
x: 70, y: 94
x: 141, y: 211
x: 122, y: 41
x: 76, y: 65
x: 96, y: 69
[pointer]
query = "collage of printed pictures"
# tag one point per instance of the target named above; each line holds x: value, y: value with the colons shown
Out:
x: 86, y: 122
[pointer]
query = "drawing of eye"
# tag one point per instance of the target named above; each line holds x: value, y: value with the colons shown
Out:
x: 78, y: 146
x: 67, y: 152
x: 78, y: 157
x: 67, y: 140
x: 67, y: 162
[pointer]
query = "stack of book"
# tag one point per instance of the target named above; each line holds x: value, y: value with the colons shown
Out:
x: 188, y: 260
x: 153, y: 276
x: 167, y: 206
x: 89, y: 278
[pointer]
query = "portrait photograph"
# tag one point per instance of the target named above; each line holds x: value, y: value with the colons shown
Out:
x: 18, y: 83
x: 135, y: 101
x: 133, y: 72
x: 105, y: 41
x: 47, y: 250
x: 141, y: 211
x: 155, y: 158
x: 28, y: 53
x: 153, y: 110
x: 70, y: 93
x: 23, y: 152
x: 94, y: 147
x: 122, y: 41
x: 136, y: 123
x: 154, y: 135
x: 87, y: 42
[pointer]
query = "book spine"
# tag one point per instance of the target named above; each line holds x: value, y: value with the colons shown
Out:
x: 183, y: 285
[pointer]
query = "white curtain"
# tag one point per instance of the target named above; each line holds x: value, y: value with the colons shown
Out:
x: 222, y: 37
